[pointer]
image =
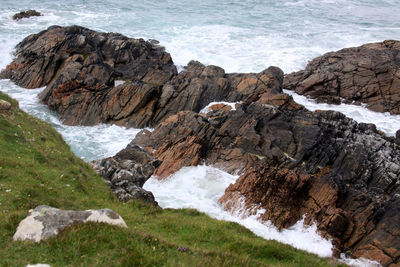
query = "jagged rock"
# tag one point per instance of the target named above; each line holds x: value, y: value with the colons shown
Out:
x: 367, y: 74
x: 4, y: 105
x: 343, y: 175
x: 127, y: 172
x: 26, y: 14
x: 80, y: 66
x: 44, y: 222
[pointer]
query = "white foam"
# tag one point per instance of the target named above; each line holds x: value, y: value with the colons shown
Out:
x: 206, y: 109
x: 87, y: 142
x: 361, y: 262
x: 385, y: 122
x: 200, y: 188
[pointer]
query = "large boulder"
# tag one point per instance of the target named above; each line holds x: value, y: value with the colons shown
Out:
x: 127, y: 172
x: 368, y: 74
x: 44, y: 222
x: 343, y: 175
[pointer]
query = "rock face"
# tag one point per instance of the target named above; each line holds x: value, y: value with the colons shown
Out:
x: 79, y: 68
x: 127, y: 172
x: 26, y: 14
x: 44, y: 222
x: 367, y: 74
x: 343, y: 175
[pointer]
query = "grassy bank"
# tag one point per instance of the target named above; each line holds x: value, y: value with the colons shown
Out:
x: 38, y: 168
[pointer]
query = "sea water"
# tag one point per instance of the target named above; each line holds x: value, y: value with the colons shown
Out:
x: 238, y: 35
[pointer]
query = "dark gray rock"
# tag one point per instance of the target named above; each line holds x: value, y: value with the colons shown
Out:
x: 127, y: 172
x: 26, y: 14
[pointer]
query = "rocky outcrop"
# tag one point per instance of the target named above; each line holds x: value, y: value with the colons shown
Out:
x: 342, y: 174
x: 80, y: 67
x: 367, y: 74
x: 127, y: 172
x: 26, y: 14
x: 45, y: 222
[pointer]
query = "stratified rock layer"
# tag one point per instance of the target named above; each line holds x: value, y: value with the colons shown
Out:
x: 343, y: 175
x: 367, y: 74
x: 79, y: 68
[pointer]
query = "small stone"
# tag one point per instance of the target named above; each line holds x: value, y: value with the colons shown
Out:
x: 4, y: 105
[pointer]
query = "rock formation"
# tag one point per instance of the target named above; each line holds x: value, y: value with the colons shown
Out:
x: 79, y: 68
x: 367, y: 74
x: 26, y: 14
x: 127, y: 172
x: 44, y: 222
x: 342, y: 174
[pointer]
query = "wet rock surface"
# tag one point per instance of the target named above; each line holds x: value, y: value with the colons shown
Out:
x: 127, y: 172
x: 368, y: 74
x: 26, y: 14
x: 79, y: 67
x: 93, y: 78
x: 44, y: 222
x: 342, y: 174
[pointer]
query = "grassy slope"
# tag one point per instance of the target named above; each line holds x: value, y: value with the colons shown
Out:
x: 37, y: 167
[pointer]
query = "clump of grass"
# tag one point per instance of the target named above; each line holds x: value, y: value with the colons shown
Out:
x: 38, y: 168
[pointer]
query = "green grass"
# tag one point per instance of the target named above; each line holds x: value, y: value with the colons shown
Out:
x: 38, y: 168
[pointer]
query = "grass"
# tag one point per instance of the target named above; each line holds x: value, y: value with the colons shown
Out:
x: 38, y: 168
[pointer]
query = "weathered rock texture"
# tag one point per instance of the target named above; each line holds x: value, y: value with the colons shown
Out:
x: 127, y: 172
x: 44, y: 222
x: 79, y: 68
x: 343, y: 175
x: 26, y: 14
x: 367, y: 74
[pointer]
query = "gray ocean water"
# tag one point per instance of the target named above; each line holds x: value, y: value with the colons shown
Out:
x: 238, y: 35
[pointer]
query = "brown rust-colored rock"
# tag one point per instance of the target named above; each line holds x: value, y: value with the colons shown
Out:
x: 284, y: 189
x: 79, y: 68
x: 343, y: 175
x: 367, y: 74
